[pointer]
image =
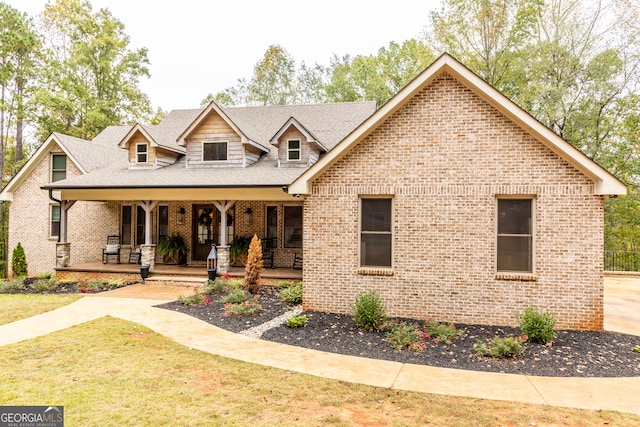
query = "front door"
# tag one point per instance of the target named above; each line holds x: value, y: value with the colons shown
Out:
x: 206, y: 223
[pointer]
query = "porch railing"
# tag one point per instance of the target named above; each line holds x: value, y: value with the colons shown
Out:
x: 621, y: 261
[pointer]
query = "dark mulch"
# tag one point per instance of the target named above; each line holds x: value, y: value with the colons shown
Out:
x: 31, y: 285
x: 573, y: 353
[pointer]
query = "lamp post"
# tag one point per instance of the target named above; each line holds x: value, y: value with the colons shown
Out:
x: 212, y: 263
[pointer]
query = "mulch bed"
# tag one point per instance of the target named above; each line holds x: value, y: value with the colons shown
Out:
x: 572, y: 353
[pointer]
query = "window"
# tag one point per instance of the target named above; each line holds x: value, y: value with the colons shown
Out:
x: 293, y: 149
x: 272, y: 222
x: 58, y: 167
x: 515, y: 235
x: 375, y: 232
x: 125, y: 225
x: 163, y: 222
x: 55, y: 220
x: 141, y: 153
x: 140, y: 226
x: 292, y: 226
x: 214, y: 151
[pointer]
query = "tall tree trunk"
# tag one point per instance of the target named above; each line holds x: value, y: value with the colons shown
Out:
x: 2, y: 142
x: 19, y: 125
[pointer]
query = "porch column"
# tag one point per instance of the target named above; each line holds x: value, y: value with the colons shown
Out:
x: 148, y: 207
x: 223, y: 250
x: 148, y: 255
x: 63, y: 247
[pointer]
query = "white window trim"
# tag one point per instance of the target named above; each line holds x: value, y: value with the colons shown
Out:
x: 379, y: 270
x: 145, y: 153
x: 298, y: 150
x: 519, y: 275
x: 215, y: 142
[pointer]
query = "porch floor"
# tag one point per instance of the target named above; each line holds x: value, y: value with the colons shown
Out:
x: 194, y: 270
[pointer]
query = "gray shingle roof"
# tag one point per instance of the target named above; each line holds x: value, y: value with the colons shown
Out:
x: 108, y: 168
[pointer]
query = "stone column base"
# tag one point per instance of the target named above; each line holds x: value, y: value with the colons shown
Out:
x: 63, y: 254
x: 148, y: 255
x: 223, y: 259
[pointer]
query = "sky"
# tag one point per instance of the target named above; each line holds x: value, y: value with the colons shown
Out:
x: 201, y: 47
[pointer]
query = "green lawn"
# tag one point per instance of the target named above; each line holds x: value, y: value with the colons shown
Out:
x: 111, y: 372
x: 19, y: 306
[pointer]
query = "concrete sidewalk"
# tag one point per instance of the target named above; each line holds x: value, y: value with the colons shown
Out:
x: 135, y: 303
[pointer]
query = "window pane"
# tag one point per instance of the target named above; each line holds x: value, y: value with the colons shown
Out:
x: 376, y: 215
x: 55, y: 220
x: 294, y: 144
x: 293, y: 226
x: 272, y: 222
x: 294, y: 155
x: 58, y: 167
x: 514, y: 216
x: 514, y: 253
x: 142, y: 148
x: 125, y: 227
x: 140, y: 229
x: 375, y: 250
x: 163, y: 222
x: 212, y: 151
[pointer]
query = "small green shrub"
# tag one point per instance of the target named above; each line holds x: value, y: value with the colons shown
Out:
x: 636, y: 349
x: 245, y: 308
x: 291, y: 294
x: 214, y: 287
x: 538, y: 326
x: 44, y: 285
x: 284, y: 284
x: 65, y: 282
x: 403, y: 335
x: 500, y: 347
x: 235, y: 284
x: 236, y: 296
x: 45, y: 276
x: 368, y: 310
x: 19, y: 261
x: 296, y: 321
x: 440, y: 332
x: 196, y: 299
x: 12, y: 285
x: 116, y: 283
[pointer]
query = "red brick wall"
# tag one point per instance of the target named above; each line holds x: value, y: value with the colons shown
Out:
x: 444, y: 158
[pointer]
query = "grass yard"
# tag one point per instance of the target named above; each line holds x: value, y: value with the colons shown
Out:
x: 20, y: 306
x: 111, y: 372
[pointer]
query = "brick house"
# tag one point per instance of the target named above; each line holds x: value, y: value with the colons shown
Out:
x: 450, y: 201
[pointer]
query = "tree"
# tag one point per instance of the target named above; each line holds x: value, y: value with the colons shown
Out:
x: 19, y: 261
x: 91, y: 77
x: 254, y: 267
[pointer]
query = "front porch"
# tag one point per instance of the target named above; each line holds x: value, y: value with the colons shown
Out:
x: 188, y: 275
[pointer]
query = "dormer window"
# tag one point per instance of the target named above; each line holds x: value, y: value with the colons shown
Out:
x: 142, y: 153
x: 293, y: 150
x: 214, y: 151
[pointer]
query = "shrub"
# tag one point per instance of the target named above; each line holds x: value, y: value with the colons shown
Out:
x: 403, y: 335
x: 19, y: 261
x: 500, y: 347
x: 218, y: 286
x: 538, y: 326
x: 291, y: 294
x: 440, y: 332
x: 284, y: 284
x: 45, y: 276
x: 196, y: 299
x: 255, y: 266
x: 236, y: 296
x: 12, y: 285
x: 368, y: 310
x: 636, y: 349
x: 296, y: 321
x: 245, y: 308
x: 44, y: 285
x: 116, y: 283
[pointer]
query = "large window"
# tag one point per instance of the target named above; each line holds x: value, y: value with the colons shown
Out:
x: 55, y: 220
x: 125, y: 225
x: 375, y: 232
x: 515, y: 235
x: 140, y: 226
x: 293, y: 149
x: 142, y: 153
x: 272, y: 222
x: 58, y: 167
x: 292, y: 226
x: 214, y: 151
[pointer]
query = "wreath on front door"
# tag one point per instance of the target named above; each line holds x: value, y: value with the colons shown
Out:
x: 204, y: 219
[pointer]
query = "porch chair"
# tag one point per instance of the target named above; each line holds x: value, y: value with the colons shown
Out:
x: 135, y: 256
x: 112, y: 249
x: 268, y: 249
x: 297, y: 262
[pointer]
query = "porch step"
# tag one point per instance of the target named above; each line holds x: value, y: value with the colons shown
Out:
x: 176, y: 281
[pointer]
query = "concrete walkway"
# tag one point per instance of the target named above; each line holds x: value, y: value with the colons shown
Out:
x: 135, y: 303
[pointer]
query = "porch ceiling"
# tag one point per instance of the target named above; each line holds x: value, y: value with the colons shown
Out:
x: 168, y: 194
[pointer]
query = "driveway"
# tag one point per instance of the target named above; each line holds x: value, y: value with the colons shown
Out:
x: 622, y: 304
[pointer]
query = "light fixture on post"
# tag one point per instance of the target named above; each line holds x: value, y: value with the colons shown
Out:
x: 180, y: 216
x: 212, y: 263
x: 248, y: 217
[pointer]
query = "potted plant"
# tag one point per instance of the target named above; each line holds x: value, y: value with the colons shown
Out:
x: 238, y: 250
x: 173, y: 249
